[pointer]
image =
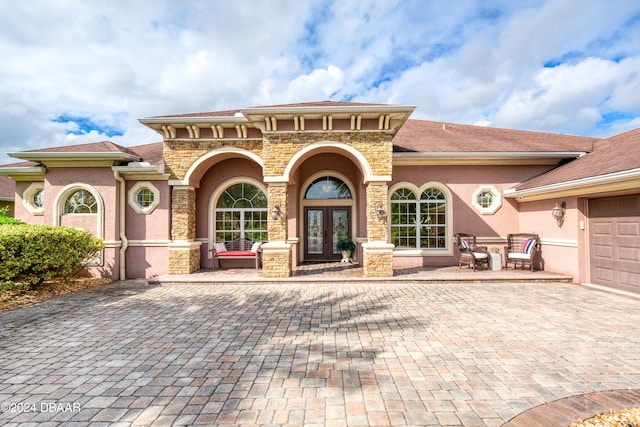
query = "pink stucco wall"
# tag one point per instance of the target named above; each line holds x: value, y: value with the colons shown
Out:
x: 562, y: 246
x: 146, y: 261
x: 463, y: 181
x: 20, y: 212
x: 155, y: 225
x: 148, y: 234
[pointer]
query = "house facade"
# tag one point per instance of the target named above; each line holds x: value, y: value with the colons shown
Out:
x: 299, y: 177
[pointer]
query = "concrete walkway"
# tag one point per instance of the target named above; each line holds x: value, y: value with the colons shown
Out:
x: 337, y: 353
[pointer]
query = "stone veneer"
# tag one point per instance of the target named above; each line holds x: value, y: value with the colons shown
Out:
x: 276, y: 149
x: 183, y: 213
x: 376, y: 147
x: 377, y: 253
x: 180, y: 155
x: 183, y: 260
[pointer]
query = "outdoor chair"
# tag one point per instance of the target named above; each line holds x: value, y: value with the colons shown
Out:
x: 471, y: 254
x: 523, y: 249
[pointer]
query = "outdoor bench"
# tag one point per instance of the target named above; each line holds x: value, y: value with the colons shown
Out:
x: 237, y: 249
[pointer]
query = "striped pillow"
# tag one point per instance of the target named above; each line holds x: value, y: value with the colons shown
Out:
x: 464, y: 244
x: 527, y: 246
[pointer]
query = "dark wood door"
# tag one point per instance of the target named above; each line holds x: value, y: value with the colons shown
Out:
x: 324, y: 226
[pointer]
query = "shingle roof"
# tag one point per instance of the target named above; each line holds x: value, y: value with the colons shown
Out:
x: 616, y: 154
x: 437, y: 137
x: 151, y: 153
x: 93, y: 147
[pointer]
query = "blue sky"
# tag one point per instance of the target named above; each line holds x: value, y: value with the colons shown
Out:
x: 75, y: 71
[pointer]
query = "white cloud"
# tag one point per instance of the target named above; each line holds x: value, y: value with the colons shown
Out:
x: 571, y: 97
x: 468, y: 61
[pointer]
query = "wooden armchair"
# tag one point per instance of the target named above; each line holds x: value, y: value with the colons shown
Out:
x: 522, y: 248
x: 471, y: 254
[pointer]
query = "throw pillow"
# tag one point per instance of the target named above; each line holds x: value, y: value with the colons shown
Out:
x: 527, y: 246
x: 464, y: 244
x: 219, y: 247
x: 256, y: 247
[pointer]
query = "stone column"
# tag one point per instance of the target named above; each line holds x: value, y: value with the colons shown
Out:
x: 377, y: 252
x: 276, y: 254
x: 184, y: 252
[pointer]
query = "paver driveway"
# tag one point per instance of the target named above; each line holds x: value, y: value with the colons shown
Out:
x: 325, y: 354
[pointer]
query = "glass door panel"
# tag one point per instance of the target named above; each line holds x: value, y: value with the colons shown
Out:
x: 340, y: 227
x: 315, y: 231
x: 324, y: 226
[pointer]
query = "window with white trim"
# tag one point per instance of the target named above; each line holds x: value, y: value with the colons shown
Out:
x: 419, y: 223
x: 80, y: 202
x: 487, y: 199
x: 241, y: 212
x: 144, y: 197
x: 33, y: 198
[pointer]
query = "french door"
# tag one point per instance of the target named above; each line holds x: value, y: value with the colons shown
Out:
x: 324, y: 226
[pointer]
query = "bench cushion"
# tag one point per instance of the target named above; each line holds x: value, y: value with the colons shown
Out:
x: 480, y: 255
x: 516, y: 255
x: 236, y: 254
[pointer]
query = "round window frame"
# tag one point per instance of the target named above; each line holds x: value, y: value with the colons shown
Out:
x: 133, y: 197
x: 496, y: 203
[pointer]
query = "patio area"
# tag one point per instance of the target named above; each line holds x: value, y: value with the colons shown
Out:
x: 321, y: 353
x: 336, y: 271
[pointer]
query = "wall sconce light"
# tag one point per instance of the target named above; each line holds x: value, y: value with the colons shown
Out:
x: 275, y: 213
x: 558, y: 213
x: 380, y: 211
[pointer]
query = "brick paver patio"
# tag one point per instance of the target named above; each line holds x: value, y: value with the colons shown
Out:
x: 366, y: 353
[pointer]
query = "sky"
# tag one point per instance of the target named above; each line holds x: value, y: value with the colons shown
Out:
x: 79, y: 71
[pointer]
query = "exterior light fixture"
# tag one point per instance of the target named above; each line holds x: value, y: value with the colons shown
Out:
x: 380, y: 211
x: 275, y: 213
x: 558, y: 213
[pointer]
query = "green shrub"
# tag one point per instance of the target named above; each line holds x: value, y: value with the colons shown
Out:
x: 32, y: 254
x: 6, y: 219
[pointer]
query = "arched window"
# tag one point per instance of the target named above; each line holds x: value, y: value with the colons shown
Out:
x: 419, y: 223
x: 80, y: 202
x: 327, y: 187
x: 241, y: 212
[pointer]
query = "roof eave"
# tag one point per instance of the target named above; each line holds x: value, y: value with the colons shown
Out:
x: 17, y: 173
x: 611, y: 182
x: 483, y: 157
x: 137, y: 171
x: 178, y: 120
x: 78, y: 158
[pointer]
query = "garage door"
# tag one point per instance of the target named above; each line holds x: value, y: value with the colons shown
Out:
x: 614, y: 240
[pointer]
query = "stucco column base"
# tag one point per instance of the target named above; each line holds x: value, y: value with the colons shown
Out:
x: 276, y: 259
x: 184, y: 257
x: 377, y: 259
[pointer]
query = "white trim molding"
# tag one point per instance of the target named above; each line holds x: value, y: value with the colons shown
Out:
x: 133, y: 198
x: 496, y: 202
x: 617, y: 181
x: 27, y: 198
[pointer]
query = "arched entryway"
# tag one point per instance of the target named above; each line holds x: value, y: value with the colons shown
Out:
x: 327, y: 212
